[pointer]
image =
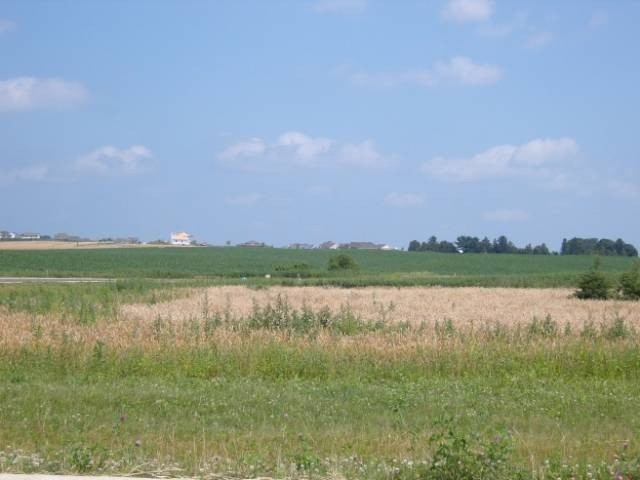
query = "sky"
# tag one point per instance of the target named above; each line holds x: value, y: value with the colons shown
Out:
x: 307, y: 121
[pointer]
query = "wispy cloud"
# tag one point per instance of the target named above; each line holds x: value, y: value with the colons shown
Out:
x: 534, y: 158
x: 113, y: 161
x: 363, y: 154
x: 505, y: 215
x: 339, y: 6
x: 6, y: 25
x: 464, y: 11
x: 504, y: 29
x: 457, y: 71
x: 305, y: 148
x: 247, y: 148
x: 29, y: 93
x: 33, y: 173
x: 404, y: 200
x: 294, y: 148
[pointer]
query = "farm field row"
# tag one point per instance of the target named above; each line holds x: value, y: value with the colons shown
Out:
x: 306, y: 267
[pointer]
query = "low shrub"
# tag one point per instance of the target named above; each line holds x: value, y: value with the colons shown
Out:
x: 594, y: 284
x: 629, y: 284
x: 342, y: 262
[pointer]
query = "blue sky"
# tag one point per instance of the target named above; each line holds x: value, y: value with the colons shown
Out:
x: 306, y: 121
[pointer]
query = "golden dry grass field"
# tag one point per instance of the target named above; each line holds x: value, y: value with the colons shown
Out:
x: 415, y: 305
x: 467, y: 309
x: 54, y: 245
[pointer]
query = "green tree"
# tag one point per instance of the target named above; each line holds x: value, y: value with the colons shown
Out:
x: 593, y: 284
x: 342, y: 262
x: 541, y: 249
x: 629, y: 285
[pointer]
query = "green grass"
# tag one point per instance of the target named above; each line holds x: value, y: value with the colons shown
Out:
x: 87, y: 302
x: 231, y: 264
x: 294, y: 414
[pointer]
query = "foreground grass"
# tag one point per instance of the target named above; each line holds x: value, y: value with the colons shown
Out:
x: 299, y: 393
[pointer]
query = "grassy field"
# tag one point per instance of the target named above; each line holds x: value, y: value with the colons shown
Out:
x: 182, y: 367
x: 229, y: 265
x: 234, y: 382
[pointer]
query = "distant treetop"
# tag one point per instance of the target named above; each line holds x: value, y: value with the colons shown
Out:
x: 602, y: 246
x: 467, y: 244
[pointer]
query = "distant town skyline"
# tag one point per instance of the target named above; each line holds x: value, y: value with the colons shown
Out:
x: 351, y: 120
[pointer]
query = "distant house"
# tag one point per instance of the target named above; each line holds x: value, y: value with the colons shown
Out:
x: 366, y: 246
x: 252, y: 243
x: 301, y: 246
x: 328, y: 246
x: 360, y: 246
x: 181, y: 238
x: 127, y: 240
x: 29, y: 236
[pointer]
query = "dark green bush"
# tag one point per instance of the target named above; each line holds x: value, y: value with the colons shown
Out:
x: 342, y: 262
x: 629, y: 285
x: 594, y: 284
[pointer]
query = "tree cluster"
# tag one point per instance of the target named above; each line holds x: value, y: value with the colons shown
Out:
x: 602, y: 246
x: 596, y: 285
x: 467, y: 244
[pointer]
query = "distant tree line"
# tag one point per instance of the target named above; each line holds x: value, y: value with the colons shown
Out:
x: 575, y: 246
x: 602, y: 246
x: 467, y: 244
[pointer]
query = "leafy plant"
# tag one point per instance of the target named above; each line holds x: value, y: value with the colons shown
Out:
x: 593, y: 284
x: 629, y: 285
x: 342, y: 262
x: 468, y: 457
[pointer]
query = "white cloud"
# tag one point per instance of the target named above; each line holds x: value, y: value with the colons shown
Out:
x: 248, y: 148
x: 457, y: 71
x: 306, y: 148
x: 505, y: 215
x: 339, y: 6
x: 464, y: 11
x: 598, y: 19
x: 539, y: 39
x: 294, y: 148
x: 534, y: 158
x: 34, y: 173
x: 404, y: 199
x: 29, y: 93
x: 112, y: 161
x: 545, y: 150
x: 363, y: 154
x: 6, y: 25
x: 245, y: 200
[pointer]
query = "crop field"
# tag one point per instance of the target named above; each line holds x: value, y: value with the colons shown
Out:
x: 187, y: 379
x: 307, y: 267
